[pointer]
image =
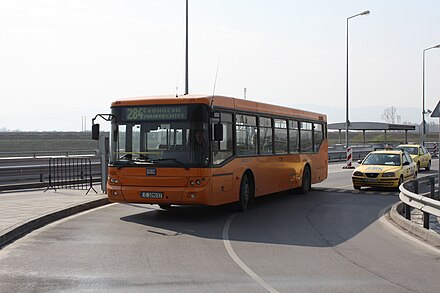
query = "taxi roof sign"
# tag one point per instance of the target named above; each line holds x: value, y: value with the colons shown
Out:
x: 436, y: 112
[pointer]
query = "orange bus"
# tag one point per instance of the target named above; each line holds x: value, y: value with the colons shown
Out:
x: 211, y: 150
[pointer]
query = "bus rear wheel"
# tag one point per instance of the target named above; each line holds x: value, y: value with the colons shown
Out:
x: 306, y: 181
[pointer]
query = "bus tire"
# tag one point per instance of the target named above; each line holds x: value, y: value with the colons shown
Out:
x: 306, y: 181
x: 165, y: 206
x: 245, y: 194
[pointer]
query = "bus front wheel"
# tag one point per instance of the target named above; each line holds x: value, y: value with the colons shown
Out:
x: 165, y: 206
x: 245, y: 194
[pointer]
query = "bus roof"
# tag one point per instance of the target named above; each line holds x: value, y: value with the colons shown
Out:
x: 221, y: 102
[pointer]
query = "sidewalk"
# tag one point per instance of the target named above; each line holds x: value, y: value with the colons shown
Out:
x: 24, y: 211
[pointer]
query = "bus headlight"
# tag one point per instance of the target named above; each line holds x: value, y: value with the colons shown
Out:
x: 113, y: 180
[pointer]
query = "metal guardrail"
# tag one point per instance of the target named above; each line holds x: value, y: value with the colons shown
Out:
x: 421, y: 194
x: 359, y: 153
x: 70, y: 173
x: 25, y: 173
x: 44, y: 154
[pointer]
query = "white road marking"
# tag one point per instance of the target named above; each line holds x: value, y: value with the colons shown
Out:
x: 238, y: 261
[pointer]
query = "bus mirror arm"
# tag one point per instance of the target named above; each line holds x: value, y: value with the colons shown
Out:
x: 218, y: 132
x: 95, y: 127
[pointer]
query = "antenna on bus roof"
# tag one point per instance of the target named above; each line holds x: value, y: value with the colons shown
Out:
x: 215, y: 82
x: 177, y: 85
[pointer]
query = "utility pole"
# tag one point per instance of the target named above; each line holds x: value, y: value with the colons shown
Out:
x: 186, y: 52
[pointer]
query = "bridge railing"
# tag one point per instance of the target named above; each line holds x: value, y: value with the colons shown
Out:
x: 33, y: 172
x: 423, y: 195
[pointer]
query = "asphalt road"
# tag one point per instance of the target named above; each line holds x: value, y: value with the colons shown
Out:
x: 319, y: 242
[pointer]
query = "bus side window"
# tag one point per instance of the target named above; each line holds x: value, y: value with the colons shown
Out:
x: 293, y: 136
x: 245, y: 133
x: 306, y: 137
x: 318, y: 136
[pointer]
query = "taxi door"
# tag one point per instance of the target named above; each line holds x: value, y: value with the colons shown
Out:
x: 423, y: 153
x: 408, y: 167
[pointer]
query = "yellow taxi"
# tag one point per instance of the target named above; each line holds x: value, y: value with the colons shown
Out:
x: 419, y: 154
x: 386, y: 168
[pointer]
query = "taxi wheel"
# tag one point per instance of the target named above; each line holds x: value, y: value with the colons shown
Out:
x: 400, y: 182
x: 357, y: 187
x: 418, y: 166
x: 415, y: 175
x: 428, y: 167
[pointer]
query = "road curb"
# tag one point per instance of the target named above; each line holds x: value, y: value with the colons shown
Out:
x: 19, y: 230
x: 429, y: 236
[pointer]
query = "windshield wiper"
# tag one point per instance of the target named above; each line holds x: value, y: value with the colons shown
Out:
x: 138, y: 160
x: 175, y: 160
x: 126, y: 163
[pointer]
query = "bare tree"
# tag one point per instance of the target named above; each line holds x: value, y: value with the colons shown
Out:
x: 389, y: 115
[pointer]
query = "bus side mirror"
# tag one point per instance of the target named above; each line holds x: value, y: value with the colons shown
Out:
x: 95, y: 131
x: 218, y: 132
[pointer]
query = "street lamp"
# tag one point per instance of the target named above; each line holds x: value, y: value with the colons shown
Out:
x: 186, y: 51
x: 423, y: 97
x: 367, y: 12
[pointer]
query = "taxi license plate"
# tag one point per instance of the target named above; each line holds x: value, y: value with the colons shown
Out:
x: 151, y: 194
x: 371, y: 180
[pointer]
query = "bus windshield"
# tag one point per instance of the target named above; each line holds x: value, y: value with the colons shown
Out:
x: 171, y: 135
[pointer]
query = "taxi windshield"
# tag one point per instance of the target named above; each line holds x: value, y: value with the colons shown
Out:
x: 382, y: 159
x: 410, y: 150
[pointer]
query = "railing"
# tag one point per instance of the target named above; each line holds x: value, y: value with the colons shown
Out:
x: 33, y: 172
x: 70, y: 173
x: 361, y: 151
x: 421, y: 194
x: 44, y: 154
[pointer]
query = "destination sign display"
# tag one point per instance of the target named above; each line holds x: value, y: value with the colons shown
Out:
x: 150, y: 113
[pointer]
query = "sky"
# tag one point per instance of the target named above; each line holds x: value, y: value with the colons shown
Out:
x: 63, y: 61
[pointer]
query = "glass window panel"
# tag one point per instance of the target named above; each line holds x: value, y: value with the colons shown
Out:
x: 293, y: 124
x: 306, y: 141
x: 280, y: 123
x: 266, y: 141
x: 280, y: 141
x: 265, y: 122
x: 294, y: 141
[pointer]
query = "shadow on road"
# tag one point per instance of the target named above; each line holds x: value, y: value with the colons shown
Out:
x: 318, y: 219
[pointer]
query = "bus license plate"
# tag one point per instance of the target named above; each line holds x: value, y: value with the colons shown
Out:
x: 151, y: 194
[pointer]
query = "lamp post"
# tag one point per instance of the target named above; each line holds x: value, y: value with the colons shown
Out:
x: 186, y: 51
x: 367, y: 12
x: 423, y: 96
